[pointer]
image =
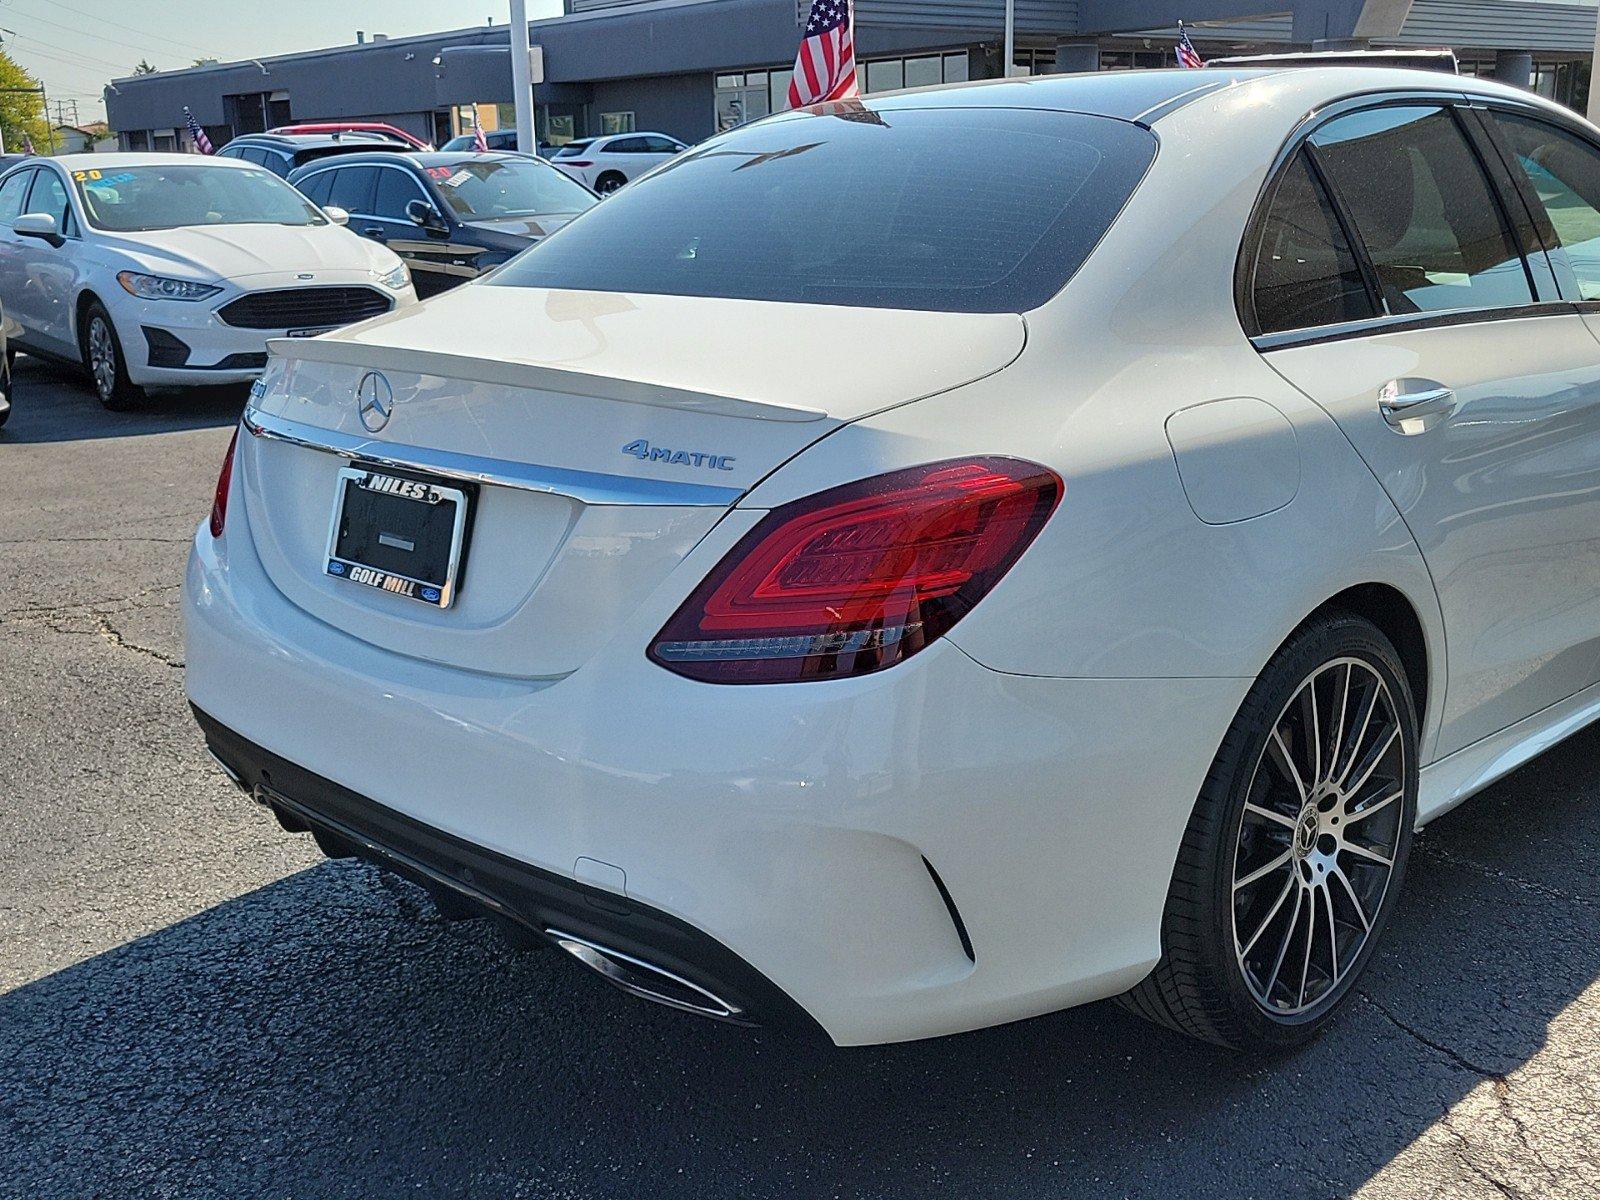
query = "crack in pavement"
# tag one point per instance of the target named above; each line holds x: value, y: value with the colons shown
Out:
x: 61, y: 618
x: 112, y: 634
x: 1450, y: 858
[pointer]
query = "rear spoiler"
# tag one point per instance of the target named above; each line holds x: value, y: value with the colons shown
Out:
x: 1442, y: 59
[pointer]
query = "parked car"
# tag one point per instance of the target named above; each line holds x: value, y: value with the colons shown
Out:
x: 281, y: 153
x: 450, y: 216
x: 7, y: 161
x: 606, y: 163
x: 901, y: 601
x: 497, y: 139
x: 174, y: 270
x: 380, y: 129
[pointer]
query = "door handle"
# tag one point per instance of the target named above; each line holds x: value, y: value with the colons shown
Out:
x: 1415, y: 405
x: 375, y: 234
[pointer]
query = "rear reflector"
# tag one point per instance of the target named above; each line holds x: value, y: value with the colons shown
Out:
x: 219, y: 502
x: 859, y: 577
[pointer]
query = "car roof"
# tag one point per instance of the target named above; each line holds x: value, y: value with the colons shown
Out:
x: 143, y: 158
x: 311, y: 141
x: 424, y: 159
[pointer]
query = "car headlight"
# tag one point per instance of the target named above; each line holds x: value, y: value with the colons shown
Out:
x: 397, y: 280
x: 159, y: 287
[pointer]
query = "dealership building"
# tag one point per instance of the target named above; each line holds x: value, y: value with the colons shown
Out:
x: 692, y: 67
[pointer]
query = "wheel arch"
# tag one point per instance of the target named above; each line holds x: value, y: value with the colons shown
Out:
x: 1392, y: 611
x: 80, y: 311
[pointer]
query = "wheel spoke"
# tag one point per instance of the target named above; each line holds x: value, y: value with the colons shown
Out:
x: 1262, y: 928
x: 1286, y: 760
x: 1283, y: 950
x: 1311, y: 938
x: 1268, y: 814
x: 1355, y: 901
x: 1369, y: 855
x: 1262, y: 872
x: 1338, y: 736
x: 1373, y: 759
x: 1367, y: 810
x: 1314, y: 735
x: 1333, y: 935
x: 1368, y: 703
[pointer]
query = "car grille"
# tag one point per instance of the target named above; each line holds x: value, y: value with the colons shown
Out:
x: 304, y: 308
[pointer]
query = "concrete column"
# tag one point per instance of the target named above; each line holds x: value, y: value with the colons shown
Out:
x: 1514, y: 67
x: 1074, y: 57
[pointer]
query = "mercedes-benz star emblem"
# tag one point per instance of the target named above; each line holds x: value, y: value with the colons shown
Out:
x: 374, y: 401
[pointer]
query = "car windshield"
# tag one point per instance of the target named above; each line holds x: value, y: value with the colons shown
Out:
x: 140, y: 199
x: 946, y: 209
x: 487, y: 189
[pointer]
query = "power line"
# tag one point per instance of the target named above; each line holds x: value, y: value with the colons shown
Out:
x: 149, y: 45
x: 76, y: 56
x: 116, y: 24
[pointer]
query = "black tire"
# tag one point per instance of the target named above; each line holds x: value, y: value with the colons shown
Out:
x: 110, y: 380
x: 1201, y: 986
x: 609, y: 182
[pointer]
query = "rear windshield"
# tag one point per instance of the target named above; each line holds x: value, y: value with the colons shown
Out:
x: 957, y: 210
x: 572, y: 149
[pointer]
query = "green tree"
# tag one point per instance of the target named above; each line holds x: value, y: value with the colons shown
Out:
x: 145, y: 67
x: 21, y: 113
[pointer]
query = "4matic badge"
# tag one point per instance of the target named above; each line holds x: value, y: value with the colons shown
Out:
x: 642, y: 449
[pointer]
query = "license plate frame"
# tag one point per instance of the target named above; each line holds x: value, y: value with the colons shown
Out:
x: 398, y: 489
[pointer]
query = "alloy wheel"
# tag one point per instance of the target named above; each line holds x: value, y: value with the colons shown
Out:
x: 1318, y: 838
x: 102, y: 357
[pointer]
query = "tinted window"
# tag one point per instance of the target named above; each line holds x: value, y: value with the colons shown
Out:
x: 485, y: 189
x: 503, y: 141
x: 49, y: 195
x: 1565, y: 171
x: 12, y: 193
x: 949, y: 209
x: 661, y: 145
x: 628, y: 145
x: 1305, y: 273
x: 573, y: 149
x: 352, y: 189
x: 315, y: 187
x: 1423, y: 209
x: 396, y: 189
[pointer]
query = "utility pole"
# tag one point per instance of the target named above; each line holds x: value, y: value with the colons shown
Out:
x: 1010, y: 51
x: 522, y: 77
x: 35, y: 91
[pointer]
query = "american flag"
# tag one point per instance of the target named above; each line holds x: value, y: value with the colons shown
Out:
x: 202, y: 143
x: 480, y: 144
x: 27, y: 144
x: 825, y: 68
x: 1188, y: 56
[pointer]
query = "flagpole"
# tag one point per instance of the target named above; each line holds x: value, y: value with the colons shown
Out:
x: 1011, y: 40
x: 521, y: 77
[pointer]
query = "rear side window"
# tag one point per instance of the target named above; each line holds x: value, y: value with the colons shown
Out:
x: 958, y: 210
x: 1305, y: 272
x: 1565, y: 171
x: 1423, y: 209
x: 351, y: 189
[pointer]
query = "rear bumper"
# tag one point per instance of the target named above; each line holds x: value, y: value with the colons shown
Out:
x: 934, y: 848
x: 541, y: 903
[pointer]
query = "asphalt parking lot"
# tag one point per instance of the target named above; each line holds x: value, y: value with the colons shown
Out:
x: 195, y: 1004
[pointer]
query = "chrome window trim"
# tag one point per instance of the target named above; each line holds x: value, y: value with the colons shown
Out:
x: 587, y: 487
x: 1410, y: 322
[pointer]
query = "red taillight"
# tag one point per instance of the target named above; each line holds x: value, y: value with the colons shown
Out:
x: 219, y: 503
x: 859, y: 577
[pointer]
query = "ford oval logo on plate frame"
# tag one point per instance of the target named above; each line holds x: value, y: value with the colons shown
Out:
x: 374, y: 401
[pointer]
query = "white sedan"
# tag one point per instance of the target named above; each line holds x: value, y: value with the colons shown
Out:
x: 900, y: 601
x: 174, y: 270
x: 604, y: 164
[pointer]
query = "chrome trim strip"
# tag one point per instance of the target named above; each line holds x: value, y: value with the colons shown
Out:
x: 588, y: 487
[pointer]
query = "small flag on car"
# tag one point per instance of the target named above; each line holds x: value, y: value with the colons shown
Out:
x: 480, y: 144
x: 202, y: 143
x: 27, y: 144
x: 1188, y: 56
x: 825, y: 68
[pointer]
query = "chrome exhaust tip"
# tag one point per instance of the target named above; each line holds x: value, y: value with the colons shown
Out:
x: 646, y: 980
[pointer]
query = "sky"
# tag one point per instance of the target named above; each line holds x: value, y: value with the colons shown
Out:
x: 75, y: 46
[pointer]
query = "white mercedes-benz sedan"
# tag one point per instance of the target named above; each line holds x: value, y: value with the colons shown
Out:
x: 918, y: 563
x: 173, y: 270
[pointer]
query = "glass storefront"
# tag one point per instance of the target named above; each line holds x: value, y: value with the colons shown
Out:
x: 749, y: 95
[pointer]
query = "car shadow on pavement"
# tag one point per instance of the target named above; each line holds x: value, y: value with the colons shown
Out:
x: 53, y: 402
x: 329, y: 1035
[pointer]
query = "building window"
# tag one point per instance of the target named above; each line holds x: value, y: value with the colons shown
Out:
x: 923, y: 70
x: 1135, y: 60
x: 616, y: 122
x: 749, y: 95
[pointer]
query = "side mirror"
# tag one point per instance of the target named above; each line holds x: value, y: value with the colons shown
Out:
x: 39, y: 225
x: 337, y: 215
x: 426, y: 215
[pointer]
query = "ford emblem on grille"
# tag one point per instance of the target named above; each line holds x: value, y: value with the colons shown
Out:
x: 374, y: 401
